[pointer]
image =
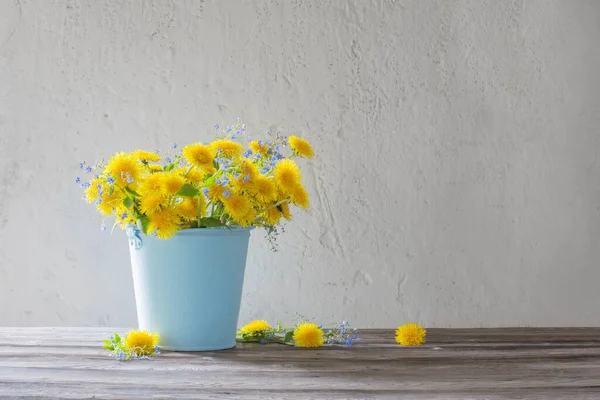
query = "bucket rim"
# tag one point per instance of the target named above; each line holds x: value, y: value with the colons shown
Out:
x: 215, y: 231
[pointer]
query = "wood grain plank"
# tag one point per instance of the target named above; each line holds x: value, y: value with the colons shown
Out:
x: 91, y: 336
x: 531, y: 363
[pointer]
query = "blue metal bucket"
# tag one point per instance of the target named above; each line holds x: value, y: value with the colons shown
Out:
x: 188, y: 288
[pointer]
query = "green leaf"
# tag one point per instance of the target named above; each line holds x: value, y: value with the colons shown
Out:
x: 128, y: 202
x: 111, y: 190
x: 145, y: 222
x: 169, y: 167
x: 210, y: 180
x: 132, y: 192
x: 188, y: 190
x: 117, y: 338
x: 210, y: 222
x: 289, y: 335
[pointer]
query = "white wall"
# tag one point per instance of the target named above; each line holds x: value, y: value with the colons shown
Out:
x: 457, y: 180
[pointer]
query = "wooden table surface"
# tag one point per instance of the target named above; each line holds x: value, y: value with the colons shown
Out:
x: 454, y: 364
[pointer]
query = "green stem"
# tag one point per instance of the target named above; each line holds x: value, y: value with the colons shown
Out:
x: 276, y: 205
x: 199, y: 211
x: 278, y: 339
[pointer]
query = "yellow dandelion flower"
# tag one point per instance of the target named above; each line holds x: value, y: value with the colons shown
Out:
x: 264, y: 189
x: 272, y: 216
x: 285, y: 211
x: 164, y: 222
x: 282, y: 195
x: 123, y: 216
x: 202, y: 201
x: 255, y: 327
x: 300, y: 196
x: 287, y: 174
x: 141, y: 343
x: 308, y: 335
x: 237, y: 206
x: 194, y: 175
x: 109, y: 202
x: 154, y: 167
x: 300, y: 146
x: 410, y: 335
x: 124, y: 168
x: 248, y: 172
x: 187, y: 208
x: 245, y: 183
x: 258, y: 148
x: 99, y: 192
x: 247, y: 219
x: 143, y: 155
x: 228, y: 148
x: 152, y: 183
x: 92, y: 193
x: 181, y: 170
x: 170, y: 183
x: 105, y: 209
x: 215, y: 192
x: 200, y: 156
x: 248, y: 169
x: 151, y: 203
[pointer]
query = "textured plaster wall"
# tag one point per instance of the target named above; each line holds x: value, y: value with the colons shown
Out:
x: 457, y: 180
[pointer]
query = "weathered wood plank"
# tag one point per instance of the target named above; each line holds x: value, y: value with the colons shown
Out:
x: 533, y: 363
x: 278, y: 353
x: 40, y: 390
x: 91, y: 336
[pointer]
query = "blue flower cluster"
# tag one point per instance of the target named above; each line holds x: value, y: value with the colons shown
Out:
x: 223, y: 162
x: 88, y: 170
x: 224, y: 181
x: 342, y: 334
x: 232, y: 131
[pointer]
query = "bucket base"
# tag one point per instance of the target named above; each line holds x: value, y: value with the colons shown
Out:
x: 167, y: 348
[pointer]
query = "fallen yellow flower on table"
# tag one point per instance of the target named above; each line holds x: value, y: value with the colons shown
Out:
x: 135, y: 344
x: 410, y: 335
x: 308, y: 335
x: 255, y: 327
x: 142, y: 343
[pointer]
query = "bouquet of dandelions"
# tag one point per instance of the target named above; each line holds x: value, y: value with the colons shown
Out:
x: 206, y: 185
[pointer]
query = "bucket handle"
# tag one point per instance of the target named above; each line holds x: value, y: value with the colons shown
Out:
x: 133, y: 233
